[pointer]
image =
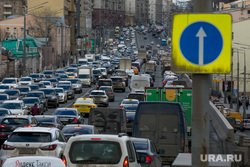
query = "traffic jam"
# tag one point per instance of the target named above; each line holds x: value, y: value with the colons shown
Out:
x: 122, y: 107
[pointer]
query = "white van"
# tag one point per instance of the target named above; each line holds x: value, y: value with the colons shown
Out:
x: 90, y: 57
x: 35, y: 161
x: 139, y: 82
x: 82, y: 62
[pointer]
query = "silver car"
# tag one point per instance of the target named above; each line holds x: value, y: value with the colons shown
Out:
x: 77, y: 85
x: 99, y: 97
x: 62, y: 95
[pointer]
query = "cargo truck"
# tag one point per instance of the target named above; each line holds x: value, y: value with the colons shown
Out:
x: 173, y: 94
x: 125, y: 63
x: 166, y: 63
x: 150, y: 66
x: 142, y: 55
x: 85, y: 75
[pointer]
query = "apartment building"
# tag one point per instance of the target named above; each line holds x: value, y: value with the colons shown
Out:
x: 10, y: 7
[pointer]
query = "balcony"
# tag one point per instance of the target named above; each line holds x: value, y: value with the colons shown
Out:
x: 7, y: 6
x: 7, y: 13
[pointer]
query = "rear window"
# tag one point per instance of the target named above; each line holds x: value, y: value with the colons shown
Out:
x: 78, y: 129
x: 95, y: 152
x: 30, y: 137
x: 139, y: 97
x: 116, y: 79
x: 105, y: 83
x: 141, y: 145
x: 65, y: 112
x: 97, y: 93
x: 15, y: 121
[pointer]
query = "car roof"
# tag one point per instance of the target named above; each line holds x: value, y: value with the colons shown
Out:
x: 35, y: 129
x: 104, y: 137
x: 66, y: 109
x: 130, y: 100
x: 18, y: 116
x: 13, y: 101
x: 97, y: 91
x: 79, y: 125
x: 139, y: 139
x: 84, y: 98
x: 30, y: 98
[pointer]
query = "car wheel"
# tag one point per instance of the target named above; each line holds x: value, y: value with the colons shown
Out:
x: 58, y: 104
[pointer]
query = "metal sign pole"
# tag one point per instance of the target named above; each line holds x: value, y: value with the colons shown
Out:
x: 201, y: 94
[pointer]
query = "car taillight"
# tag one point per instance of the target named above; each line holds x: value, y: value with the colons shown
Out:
x: 49, y: 148
x: 122, y: 129
x: 164, y: 82
x: 75, y: 120
x: 121, y: 106
x: 244, y: 124
x: 75, y: 106
x: 52, y: 126
x: 125, y: 162
x: 126, y: 77
x: 64, y: 160
x: 7, y: 147
x: 182, y: 145
x: 103, y: 96
x: 90, y: 96
x: 152, y: 81
x: 29, y: 126
x: 91, y: 106
x: 149, y: 159
x: 3, y: 135
x: 2, y: 126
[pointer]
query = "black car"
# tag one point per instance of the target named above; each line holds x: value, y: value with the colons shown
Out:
x: 14, y: 94
x: 130, y: 116
x: 31, y: 101
x: 145, y: 147
x: 4, y: 97
x: 12, y: 122
x: 97, y: 74
x: 24, y: 90
x: 104, y: 82
x: 51, y: 95
x: 35, y: 77
x: 69, y: 90
x: 69, y: 116
x: 138, y: 96
x: 48, y: 73
x: 49, y: 121
x: 41, y: 96
x: 72, y: 130
x: 63, y: 77
x: 54, y: 81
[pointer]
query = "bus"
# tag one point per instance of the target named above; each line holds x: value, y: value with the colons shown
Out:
x: 164, y: 42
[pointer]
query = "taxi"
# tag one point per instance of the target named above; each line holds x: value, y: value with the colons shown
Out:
x: 135, y: 70
x: 84, y: 105
x: 71, y: 75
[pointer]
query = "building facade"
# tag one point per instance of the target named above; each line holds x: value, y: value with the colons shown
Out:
x: 141, y: 11
x: 130, y: 12
x: 10, y: 7
x: 155, y: 11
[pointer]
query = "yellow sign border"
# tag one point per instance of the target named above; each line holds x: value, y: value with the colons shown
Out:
x: 222, y: 64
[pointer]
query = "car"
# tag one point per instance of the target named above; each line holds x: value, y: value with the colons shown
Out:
x: 47, y: 84
x: 53, y: 81
x: 4, y: 97
x: 33, y: 87
x: 109, y: 91
x: 145, y: 37
x: 16, y: 107
x: 84, y: 105
x: 71, y: 75
x: 78, y: 129
x: 77, y: 85
x: 68, y: 89
x: 63, y: 77
x: 151, y: 73
x: 36, y: 141
x: 170, y: 78
x: 24, y: 90
x: 31, y: 101
x: 59, y: 71
x: 34, y: 160
x: 63, y: 98
x: 104, y: 82
x: 14, y: 94
x: 158, y: 45
x: 99, y: 97
x: 48, y: 73
x: 147, y: 148
x: 49, y: 121
x: 152, y: 43
x: 51, y: 95
x: 104, y: 72
x: 122, y: 73
x: 97, y: 74
x: 118, y: 83
x: 4, y: 112
x: 232, y: 122
x: 35, y: 77
x: 245, y: 125
x: 69, y: 115
x: 129, y: 102
x: 13, y: 82
x: 4, y: 87
x: 101, y: 150
x: 41, y: 96
x: 130, y: 116
x: 11, y: 122
x: 26, y: 81
x: 130, y: 72
x: 138, y: 96
x: 65, y: 83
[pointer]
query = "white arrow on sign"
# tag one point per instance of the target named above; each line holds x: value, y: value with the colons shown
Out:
x: 201, y: 34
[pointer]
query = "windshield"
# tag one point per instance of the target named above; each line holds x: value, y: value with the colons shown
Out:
x: 4, y: 87
x: 97, y: 72
x: 3, y: 97
x: 34, y: 75
x: 40, y: 137
x: 46, y: 83
x: 116, y: 79
x: 84, y: 102
x: 105, y: 83
x: 121, y: 73
x: 9, y: 81
x: 11, y: 105
x: 12, y: 93
x: 106, y: 89
x: 131, y: 107
x: 48, y: 72
x: 91, y: 152
x: 15, y: 121
x: 3, y: 112
x: 82, y: 62
x: 52, y: 80
x: 130, y: 102
x: 30, y: 101
x: 65, y: 112
x: 63, y: 76
x: 83, y: 76
x: 23, y: 89
x: 39, y: 95
x: 74, y: 81
x: 140, y: 145
x: 48, y: 91
x: 60, y: 72
x: 25, y: 79
x: 59, y: 90
x: 74, y: 70
x: 34, y: 87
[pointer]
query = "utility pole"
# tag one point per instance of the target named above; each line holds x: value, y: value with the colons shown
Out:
x: 78, y: 11
x: 231, y: 101
x: 238, y: 82
x: 62, y: 55
x: 46, y: 40
x: 201, y: 95
x: 24, y: 43
x: 225, y: 98
x: 244, y: 104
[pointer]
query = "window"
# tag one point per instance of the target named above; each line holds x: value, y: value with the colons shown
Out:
x: 7, y: 29
x: 15, y: 11
x: 16, y: 3
x: 131, y: 153
x: 21, y: 29
x: 15, y: 30
x: 248, y: 11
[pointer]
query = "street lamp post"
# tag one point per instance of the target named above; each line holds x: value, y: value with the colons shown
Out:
x: 231, y: 101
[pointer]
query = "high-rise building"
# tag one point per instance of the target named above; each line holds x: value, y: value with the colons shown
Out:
x: 10, y: 7
x: 155, y: 10
x: 141, y: 11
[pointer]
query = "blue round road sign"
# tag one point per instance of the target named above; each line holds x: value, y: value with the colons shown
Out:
x: 201, y: 43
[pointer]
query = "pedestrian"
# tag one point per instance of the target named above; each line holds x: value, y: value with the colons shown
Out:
x: 35, y: 110
x: 229, y: 98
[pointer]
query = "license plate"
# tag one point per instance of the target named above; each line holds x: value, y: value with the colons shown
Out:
x: 83, y: 107
x: 64, y: 119
x: 27, y: 151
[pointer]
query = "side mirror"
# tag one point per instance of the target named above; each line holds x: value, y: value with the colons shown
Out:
x: 161, y: 151
x: 142, y: 159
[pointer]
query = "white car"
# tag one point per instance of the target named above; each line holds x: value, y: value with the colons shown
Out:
x: 130, y: 72
x: 13, y: 82
x: 129, y: 102
x: 64, y: 83
x: 26, y: 81
x: 34, y: 141
x: 102, y: 151
x: 34, y: 161
x: 47, y: 84
x: 62, y: 95
x: 17, y: 107
x: 4, y: 87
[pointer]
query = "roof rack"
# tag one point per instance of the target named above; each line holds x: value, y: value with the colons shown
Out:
x: 122, y: 134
